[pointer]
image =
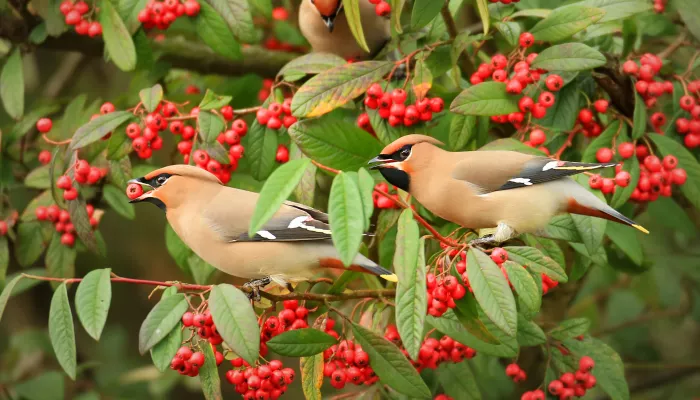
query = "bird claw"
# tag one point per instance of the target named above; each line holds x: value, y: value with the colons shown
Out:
x: 255, y: 285
x: 477, y: 243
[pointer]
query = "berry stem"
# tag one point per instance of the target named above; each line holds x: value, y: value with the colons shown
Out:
x: 53, y: 142
x: 566, y: 144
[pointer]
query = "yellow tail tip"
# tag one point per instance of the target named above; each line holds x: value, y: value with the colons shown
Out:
x: 390, y: 277
x: 640, y: 228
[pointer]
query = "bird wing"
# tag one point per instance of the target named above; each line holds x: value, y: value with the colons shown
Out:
x: 491, y: 171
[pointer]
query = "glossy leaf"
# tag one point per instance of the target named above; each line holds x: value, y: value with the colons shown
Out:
x: 214, y: 31
x: 260, y: 149
x: 118, y: 201
x: 424, y: 11
x: 236, y: 321
x: 98, y: 128
x: 686, y: 160
x: 690, y: 16
x: 212, y: 101
x: 237, y: 15
x: 12, y: 85
x: 450, y: 325
x: 411, y: 296
x: 352, y: 14
x: 564, y: 22
x: 570, y: 328
x: 389, y: 363
x: 482, y: 7
x: 488, y: 98
x: 209, y: 375
x: 569, y: 57
x: 337, y: 86
x: 334, y: 143
x: 92, y: 300
x: 7, y: 292
x: 118, y: 41
x: 312, y: 376
x: 529, y: 333
x: 61, y: 331
x: 161, y: 320
x: 462, y: 131
x: 301, y: 342
x: 344, y: 205
x: 163, y: 352
x: 275, y: 191
x: 210, y: 126
x: 640, y: 117
x: 525, y: 286
x: 312, y: 63
x: 151, y: 97
x: 533, y: 259
x: 510, y: 31
x: 491, y: 291
x: 618, y: 9
x: 365, y: 182
x: 458, y: 380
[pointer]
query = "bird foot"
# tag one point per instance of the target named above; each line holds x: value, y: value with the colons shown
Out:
x: 477, y: 243
x: 255, y: 285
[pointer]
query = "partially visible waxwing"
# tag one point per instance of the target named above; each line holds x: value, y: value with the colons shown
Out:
x: 325, y: 26
x: 510, y: 191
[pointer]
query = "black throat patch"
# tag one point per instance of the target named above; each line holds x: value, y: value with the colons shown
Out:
x: 155, y: 201
x: 396, y: 177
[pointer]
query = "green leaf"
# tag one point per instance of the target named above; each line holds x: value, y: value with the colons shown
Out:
x: 640, y: 118
x: 118, y: 41
x: 38, y: 178
x: 389, y: 363
x: 119, y: 146
x: 47, y: 386
x: 352, y: 14
x: 28, y: 121
x: 344, y: 205
x: 210, y: 126
x: 337, y: 86
x: 462, y: 131
x: 151, y: 97
x: 690, y: 15
x: 569, y: 57
x: 467, y: 313
x: 4, y: 258
x: 237, y: 15
x: 564, y: 22
x: 334, y: 143
x: 570, y: 328
x: 411, y: 298
x: 92, y: 300
x: 525, y: 286
x: 275, y: 191
x: 450, y: 325
x: 488, y: 98
x: 529, y: 333
x: 609, y: 369
x: 532, y: 12
x: 422, y: 79
x: 458, y: 380
x: 686, y: 160
x: 120, y: 172
x: 622, y: 194
x: 591, y: 231
x: 129, y: 12
x: 213, y: 30
x: 212, y: 101
x: 209, y: 375
x: 312, y: 63
x: 424, y: 11
x: 312, y: 376
x: 483, y: 8
x: 12, y: 85
x: 510, y: 31
x: 6, y: 292
x: 385, y: 132
x: 261, y: 147
x: 461, y: 42
x: 491, y: 291
x: 365, y: 182
x: 29, y: 244
x: 548, y: 247
x: 161, y: 320
x: 563, y: 114
x: 604, y: 140
x: 118, y: 201
x: 236, y: 321
x: 534, y: 260
x: 163, y: 352
x: 625, y: 238
x: 61, y: 330
x: 618, y: 9
x: 60, y: 259
x: 98, y: 128
x: 301, y: 342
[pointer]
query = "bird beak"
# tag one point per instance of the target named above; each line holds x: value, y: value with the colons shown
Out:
x: 329, y: 21
x: 142, y: 181
x: 379, y: 162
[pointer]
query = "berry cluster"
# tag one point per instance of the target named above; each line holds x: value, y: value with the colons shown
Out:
x: 690, y: 127
x: 276, y: 115
x: 516, y: 373
x: 145, y: 135
x: 392, y: 107
x: 160, y: 14
x: 647, y: 86
x: 203, y: 324
x: 84, y: 175
x: 186, y: 361
x: 381, y: 201
x: 293, y: 316
x: 382, y: 7
x: 442, y: 293
x: 656, y: 176
x: 432, y: 351
x: 570, y: 385
x: 536, y: 394
x: 266, y: 381
x: 590, y: 126
x: 346, y: 362
x: 75, y: 15
x: 62, y: 221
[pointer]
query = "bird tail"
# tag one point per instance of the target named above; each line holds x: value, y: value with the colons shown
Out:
x: 584, y: 202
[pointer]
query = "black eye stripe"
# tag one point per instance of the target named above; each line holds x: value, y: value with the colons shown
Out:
x: 159, y: 180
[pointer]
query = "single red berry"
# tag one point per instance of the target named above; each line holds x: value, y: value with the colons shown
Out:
x: 525, y: 104
x: 95, y: 29
x: 73, y: 17
x: 382, y: 9
x: 64, y: 182
x: 527, y: 39
x: 282, y: 155
x: 514, y: 87
x: 568, y: 379
x: 595, y: 182
x: 604, y: 155
x: 186, y: 317
x: 44, y: 125
x: 512, y: 369
x: 197, y: 359
x: 437, y: 104
x: 538, y: 111
x: 107, y: 108
x: 192, y: 8
x: 199, y: 320
x: 601, y: 106
x: 586, y: 364
x: 44, y: 157
x: 274, y: 123
x: 623, y: 178
x: 554, y: 82
x: 68, y: 239
x: 670, y: 162
x: 658, y: 119
x: 134, y: 190
x: 398, y: 96
x: 555, y: 387
x: 625, y: 149
x: 679, y: 176
x: 499, y: 255
x: 227, y: 112
x: 263, y: 115
x: 375, y: 91
x: 546, y: 99
x: 585, y: 116
x: 652, y: 163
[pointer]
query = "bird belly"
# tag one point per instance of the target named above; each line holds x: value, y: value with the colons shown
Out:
x: 523, y: 209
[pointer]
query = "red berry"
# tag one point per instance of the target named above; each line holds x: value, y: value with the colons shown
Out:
x: 282, y: 155
x: 526, y: 103
x: 514, y: 87
x: 554, y: 82
x: 186, y: 317
x: 44, y: 157
x: 192, y: 8
x: 73, y: 17
x: 687, y: 102
x: 658, y: 119
x: 375, y: 91
x: 512, y: 370
x: 382, y: 9
x: 678, y: 176
x: 527, y: 39
x: 398, y: 96
x: 652, y: 163
x: 546, y: 99
x: 585, y: 116
x: 623, y: 178
x: 670, y: 162
x: 568, y: 380
x: 499, y: 255
x: 601, y: 106
x: 197, y: 359
x: 538, y: 111
x: 64, y: 182
x: 625, y: 149
x: 555, y: 387
x: 586, y: 364
x: 68, y: 239
x: 44, y: 125
x: 95, y: 29
x: 604, y: 155
x: 133, y: 191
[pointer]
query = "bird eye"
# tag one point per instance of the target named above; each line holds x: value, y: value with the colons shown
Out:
x: 405, y: 153
x: 161, y: 180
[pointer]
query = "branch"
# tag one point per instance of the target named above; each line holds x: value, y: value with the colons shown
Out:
x: 465, y: 63
x: 356, y: 294
x: 188, y: 55
x: 618, y: 86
